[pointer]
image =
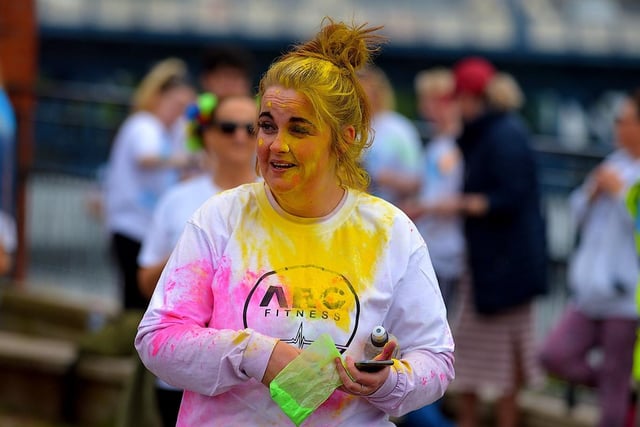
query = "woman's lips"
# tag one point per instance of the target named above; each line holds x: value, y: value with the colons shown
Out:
x: 281, y: 165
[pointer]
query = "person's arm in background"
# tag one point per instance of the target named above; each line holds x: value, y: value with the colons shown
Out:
x: 8, y: 242
x: 513, y: 169
x: 156, y: 247
x: 602, y: 181
x: 402, y: 184
x: 151, y: 150
x: 403, y: 181
x: 148, y: 277
x: 6, y: 260
x: 177, y: 161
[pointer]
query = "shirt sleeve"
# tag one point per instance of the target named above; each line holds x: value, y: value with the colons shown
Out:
x: 148, y: 140
x: 8, y: 236
x: 174, y: 340
x: 157, y: 244
x: 426, y: 368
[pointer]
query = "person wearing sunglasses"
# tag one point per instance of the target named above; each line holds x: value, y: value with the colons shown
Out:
x: 224, y: 129
x: 265, y: 270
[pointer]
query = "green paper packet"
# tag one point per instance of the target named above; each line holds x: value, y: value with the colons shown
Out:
x: 306, y: 382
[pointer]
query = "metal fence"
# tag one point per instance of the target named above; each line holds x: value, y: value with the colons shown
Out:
x: 68, y: 246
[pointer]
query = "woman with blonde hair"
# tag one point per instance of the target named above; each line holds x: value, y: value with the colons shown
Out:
x: 504, y: 93
x: 267, y: 270
x: 146, y: 158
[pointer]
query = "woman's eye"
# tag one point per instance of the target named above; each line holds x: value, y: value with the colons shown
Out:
x: 266, y: 127
x: 299, y: 130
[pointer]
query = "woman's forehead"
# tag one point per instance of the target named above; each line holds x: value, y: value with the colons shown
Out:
x: 280, y: 98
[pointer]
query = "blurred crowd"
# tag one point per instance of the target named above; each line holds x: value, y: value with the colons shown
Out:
x: 472, y: 190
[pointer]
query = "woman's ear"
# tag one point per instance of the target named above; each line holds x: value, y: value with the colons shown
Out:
x: 349, y: 133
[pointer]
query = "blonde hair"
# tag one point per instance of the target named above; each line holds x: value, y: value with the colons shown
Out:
x: 165, y: 75
x: 503, y: 93
x: 436, y: 82
x: 382, y: 85
x: 324, y: 71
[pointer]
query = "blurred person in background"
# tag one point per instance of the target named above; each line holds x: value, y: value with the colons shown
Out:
x: 224, y: 128
x: 8, y: 238
x: 147, y: 157
x: 8, y: 242
x: 441, y: 180
x: 506, y: 248
x: 264, y: 270
x: 602, y: 277
x: 393, y: 160
x: 433, y: 209
x: 632, y: 199
x: 226, y: 70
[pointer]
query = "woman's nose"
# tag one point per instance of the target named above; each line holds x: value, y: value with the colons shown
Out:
x: 279, y: 145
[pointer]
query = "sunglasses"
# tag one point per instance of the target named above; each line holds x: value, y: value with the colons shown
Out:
x: 229, y: 128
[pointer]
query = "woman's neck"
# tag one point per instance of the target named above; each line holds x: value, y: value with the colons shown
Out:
x: 308, y: 206
x: 229, y: 176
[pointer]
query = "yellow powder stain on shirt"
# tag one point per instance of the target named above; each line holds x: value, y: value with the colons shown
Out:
x: 344, y: 261
x: 242, y: 336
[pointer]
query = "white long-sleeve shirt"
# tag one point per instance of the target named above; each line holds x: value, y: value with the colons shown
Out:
x: 604, y: 268
x: 245, y: 274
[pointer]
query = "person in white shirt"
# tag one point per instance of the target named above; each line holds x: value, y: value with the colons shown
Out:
x: 602, y: 276
x: 146, y: 159
x: 225, y: 130
x: 393, y: 160
x: 264, y: 269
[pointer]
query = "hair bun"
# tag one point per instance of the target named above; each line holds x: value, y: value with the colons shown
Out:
x: 347, y: 46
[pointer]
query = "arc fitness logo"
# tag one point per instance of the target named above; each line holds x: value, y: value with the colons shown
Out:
x: 298, y: 303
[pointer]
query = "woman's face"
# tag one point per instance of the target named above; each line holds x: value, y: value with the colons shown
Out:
x: 172, y: 104
x: 229, y: 138
x: 628, y: 127
x: 294, y: 149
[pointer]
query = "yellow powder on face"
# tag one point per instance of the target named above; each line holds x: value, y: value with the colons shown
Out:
x: 260, y: 141
x: 269, y: 104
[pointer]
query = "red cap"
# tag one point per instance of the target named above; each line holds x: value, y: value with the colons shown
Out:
x: 472, y: 75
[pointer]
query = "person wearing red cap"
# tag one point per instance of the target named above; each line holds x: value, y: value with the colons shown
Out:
x: 505, y: 238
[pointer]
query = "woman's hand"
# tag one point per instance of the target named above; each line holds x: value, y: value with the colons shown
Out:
x: 281, y: 356
x: 360, y: 383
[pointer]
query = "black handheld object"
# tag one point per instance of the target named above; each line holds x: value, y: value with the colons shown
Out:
x: 373, y: 365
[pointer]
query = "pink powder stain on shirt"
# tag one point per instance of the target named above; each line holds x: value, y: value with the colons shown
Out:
x: 188, y: 286
x: 187, y: 291
x: 229, y: 295
x: 337, y: 401
x: 159, y: 340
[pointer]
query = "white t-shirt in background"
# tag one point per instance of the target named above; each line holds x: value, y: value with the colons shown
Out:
x: 132, y: 192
